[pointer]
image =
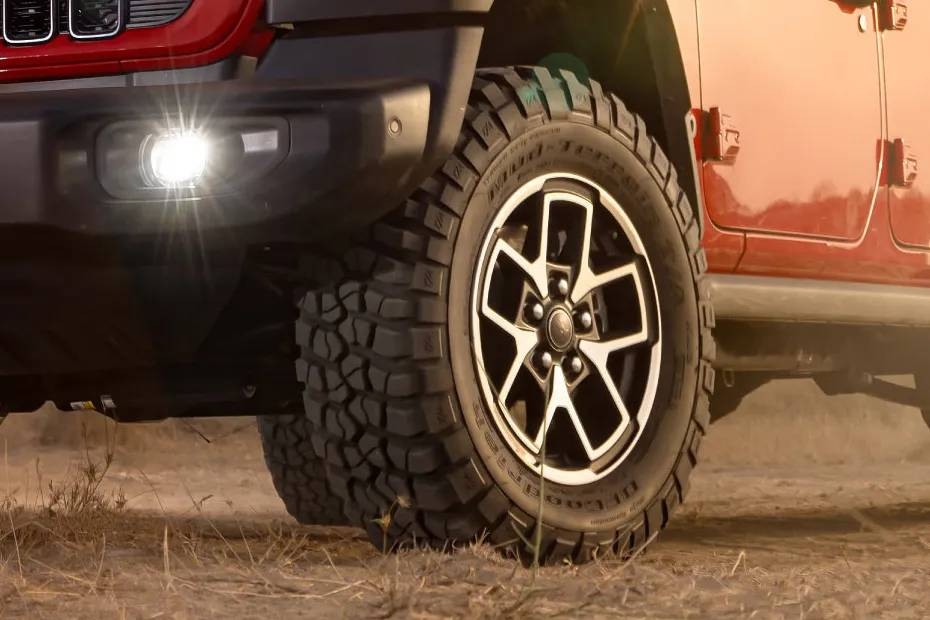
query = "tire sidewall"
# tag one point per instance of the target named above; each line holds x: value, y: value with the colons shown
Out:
x: 586, y: 151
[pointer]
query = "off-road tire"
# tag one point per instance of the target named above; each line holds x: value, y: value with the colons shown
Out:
x: 298, y: 475
x: 380, y: 387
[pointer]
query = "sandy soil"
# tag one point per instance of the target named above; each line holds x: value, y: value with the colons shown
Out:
x: 804, y: 507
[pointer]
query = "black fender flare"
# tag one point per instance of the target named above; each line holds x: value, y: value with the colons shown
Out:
x: 652, y: 82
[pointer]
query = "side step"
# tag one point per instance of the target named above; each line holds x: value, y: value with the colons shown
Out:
x: 778, y: 327
x: 753, y: 298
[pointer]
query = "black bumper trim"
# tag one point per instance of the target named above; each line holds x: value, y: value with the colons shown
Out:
x: 295, y: 11
x: 340, y: 96
x: 222, y: 70
x: 340, y: 142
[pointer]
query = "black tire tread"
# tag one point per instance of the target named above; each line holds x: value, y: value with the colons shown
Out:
x: 299, y: 476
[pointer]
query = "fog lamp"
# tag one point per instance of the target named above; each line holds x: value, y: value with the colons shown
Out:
x: 176, y: 159
x: 169, y: 159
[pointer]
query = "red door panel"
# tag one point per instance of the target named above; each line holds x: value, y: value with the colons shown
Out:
x: 876, y: 258
x: 802, y: 83
x: 907, y: 76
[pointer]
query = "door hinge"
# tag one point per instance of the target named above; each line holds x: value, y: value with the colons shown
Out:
x: 892, y: 15
x: 901, y: 164
x: 721, y: 137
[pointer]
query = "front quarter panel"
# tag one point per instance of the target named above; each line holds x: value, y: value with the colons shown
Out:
x: 723, y: 248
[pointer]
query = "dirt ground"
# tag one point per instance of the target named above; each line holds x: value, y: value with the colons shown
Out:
x: 803, y: 507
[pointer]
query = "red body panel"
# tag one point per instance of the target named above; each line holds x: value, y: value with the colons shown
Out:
x: 209, y: 31
x: 724, y: 248
x: 804, y: 83
x: 908, y: 82
x: 807, y: 160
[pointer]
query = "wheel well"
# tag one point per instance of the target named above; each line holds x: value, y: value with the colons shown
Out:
x: 630, y: 47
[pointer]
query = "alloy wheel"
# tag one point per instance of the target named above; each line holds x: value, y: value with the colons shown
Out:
x: 566, y: 330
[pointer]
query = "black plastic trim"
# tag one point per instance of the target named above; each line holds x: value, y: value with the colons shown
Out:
x: 443, y: 58
x: 293, y: 11
x: 340, y: 96
x: 223, y: 70
x: 674, y: 98
x: 340, y: 145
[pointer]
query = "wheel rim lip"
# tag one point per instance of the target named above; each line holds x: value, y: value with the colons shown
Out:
x: 515, y: 438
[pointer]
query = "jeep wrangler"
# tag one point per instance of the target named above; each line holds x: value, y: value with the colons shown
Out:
x: 512, y: 245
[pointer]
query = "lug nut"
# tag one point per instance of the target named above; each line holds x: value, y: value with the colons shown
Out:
x: 585, y: 320
x: 576, y: 365
x: 546, y: 360
x: 562, y: 286
x: 536, y: 311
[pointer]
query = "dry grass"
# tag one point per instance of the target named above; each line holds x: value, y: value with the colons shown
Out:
x: 796, y: 543
x: 140, y: 565
x: 77, y: 541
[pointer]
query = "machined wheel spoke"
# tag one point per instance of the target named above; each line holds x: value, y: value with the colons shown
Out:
x: 524, y: 347
x: 524, y: 340
x: 511, y: 328
x: 588, y: 281
x: 558, y: 397
x: 598, y: 353
x: 601, y: 349
x: 534, y: 271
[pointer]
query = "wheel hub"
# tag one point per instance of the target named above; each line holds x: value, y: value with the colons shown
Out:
x: 560, y: 332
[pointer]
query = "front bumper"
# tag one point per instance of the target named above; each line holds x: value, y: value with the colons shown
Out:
x: 367, y: 118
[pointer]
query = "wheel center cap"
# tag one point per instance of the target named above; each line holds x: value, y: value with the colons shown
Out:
x: 559, y: 329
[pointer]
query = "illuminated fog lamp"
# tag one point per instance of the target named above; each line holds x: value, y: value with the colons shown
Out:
x: 176, y: 159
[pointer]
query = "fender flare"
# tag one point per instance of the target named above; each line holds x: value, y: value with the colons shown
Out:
x: 668, y: 110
